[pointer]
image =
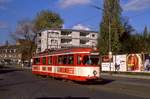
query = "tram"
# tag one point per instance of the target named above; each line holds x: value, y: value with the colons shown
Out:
x: 78, y: 64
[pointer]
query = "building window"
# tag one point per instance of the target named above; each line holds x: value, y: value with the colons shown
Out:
x: 10, y: 56
x: 15, y: 50
x: 93, y: 44
x: 53, y: 34
x: 14, y: 56
x: 11, y: 51
x: 93, y: 35
x: 8, y: 50
x: 83, y: 34
x: 49, y: 34
x: 39, y: 41
x: 52, y: 41
x: 39, y: 34
x: 65, y: 32
x: 39, y: 49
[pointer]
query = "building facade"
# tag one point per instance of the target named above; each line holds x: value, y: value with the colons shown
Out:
x: 65, y: 38
x: 10, y: 54
x: 15, y: 54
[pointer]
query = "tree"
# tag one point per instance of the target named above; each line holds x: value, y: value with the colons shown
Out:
x: 25, y: 34
x: 145, y: 41
x: 47, y: 20
x: 145, y: 33
x: 27, y: 31
x: 111, y: 22
x: 126, y: 39
x: 6, y: 42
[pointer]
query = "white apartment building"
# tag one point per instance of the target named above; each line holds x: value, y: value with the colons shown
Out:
x: 65, y: 38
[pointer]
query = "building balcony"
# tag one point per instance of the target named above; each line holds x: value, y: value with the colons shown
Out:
x: 85, y: 37
x: 66, y: 36
x: 66, y: 40
x: 85, y: 45
x: 66, y: 43
x: 66, y: 32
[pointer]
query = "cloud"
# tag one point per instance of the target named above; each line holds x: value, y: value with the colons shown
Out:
x: 80, y: 27
x: 3, y: 3
x: 3, y: 25
x: 68, y: 3
x: 136, y: 5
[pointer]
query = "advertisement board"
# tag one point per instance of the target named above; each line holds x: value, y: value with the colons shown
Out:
x: 120, y: 63
x: 146, y: 62
x: 107, y: 64
x: 134, y: 62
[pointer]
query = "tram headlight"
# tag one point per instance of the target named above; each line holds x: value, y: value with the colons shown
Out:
x: 95, y: 72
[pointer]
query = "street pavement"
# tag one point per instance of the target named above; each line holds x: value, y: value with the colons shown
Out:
x: 22, y: 84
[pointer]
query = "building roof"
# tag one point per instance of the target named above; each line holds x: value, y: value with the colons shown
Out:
x: 71, y: 30
x: 9, y: 46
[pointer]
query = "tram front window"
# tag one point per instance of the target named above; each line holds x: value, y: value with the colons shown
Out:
x: 91, y: 60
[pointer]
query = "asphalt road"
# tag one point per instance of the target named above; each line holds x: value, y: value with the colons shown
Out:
x: 22, y: 84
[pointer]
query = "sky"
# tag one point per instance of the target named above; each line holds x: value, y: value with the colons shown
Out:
x: 77, y: 14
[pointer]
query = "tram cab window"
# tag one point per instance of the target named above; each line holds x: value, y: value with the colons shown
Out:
x: 86, y: 60
x: 91, y: 60
x: 95, y: 59
x: 44, y: 60
x: 36, y: 61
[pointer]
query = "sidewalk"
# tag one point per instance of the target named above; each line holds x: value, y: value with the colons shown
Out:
x: 126, y: 75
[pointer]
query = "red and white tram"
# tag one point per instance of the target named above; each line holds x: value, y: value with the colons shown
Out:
x: 79, y: 64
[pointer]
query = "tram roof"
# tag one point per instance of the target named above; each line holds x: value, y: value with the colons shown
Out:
x: 66, y: 50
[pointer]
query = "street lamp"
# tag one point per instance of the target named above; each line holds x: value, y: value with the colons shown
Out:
x: 109, y: 41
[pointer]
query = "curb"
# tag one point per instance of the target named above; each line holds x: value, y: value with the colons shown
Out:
x: 127, y: 76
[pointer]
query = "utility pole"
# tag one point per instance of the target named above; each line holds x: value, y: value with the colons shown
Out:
x: 109, y: 38
x: 47, y: 40
x: 110, y: 51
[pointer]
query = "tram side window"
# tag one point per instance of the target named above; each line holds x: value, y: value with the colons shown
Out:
x: 70, y: 59
x: 44, y: 60
x: 64, y: 59
x: 50, y: 60
x: 60, y: 59
x: 79, y: 59
x: 36, y: 61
